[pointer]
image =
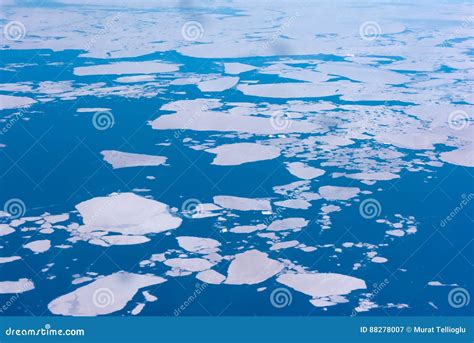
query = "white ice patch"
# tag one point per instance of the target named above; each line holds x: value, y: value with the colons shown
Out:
x: 10, y: 101
x: 9, y: 259
x: 38, y: 246
x: 294, y: 203
x: 242, y: 204
x: 126, y: 213
x: 189, y: 264
x: 119, y: 159
x: 462, y: 156
x: 284, y: 245
x: 303, y: 171
x: 218, y: 85
x: 16, y: 287
x: 210, y: 276
x: 288, y: 224
x: 290, y: 90
x: 338, y: 193
x: 251, y: 267
x: 103, y: 296
x: 240, y: 153
x: 237, y: 68
x: 247, y: 228
x: 123, y: 68
x: 320, y: 285
x: 378, y: 176
x: 198, y: 244
x: 6, y: 230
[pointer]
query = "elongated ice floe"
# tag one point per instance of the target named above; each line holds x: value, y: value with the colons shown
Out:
x: 237, y: 68
x: 9, y: 259
x: 123, y: 68
x: 15, y: 287
x: 119, y: 159
x: 10, y: 101
x: 294, y: 203
x: 240, y: 153
x: 290, y: 90
x: 103, y: 296
x: 251, y: 267
x: 210, y: 276
x: 198, y: 245
x: 288, y: 224
x: 242, y: 204
x: 126, y: 213
x: 197, y: 115
x: 304, y: 171
x: 189, y: 264
x: 320, y: 285
x: 338, y: 193
x: 379, y: 176
x: 218, y: 85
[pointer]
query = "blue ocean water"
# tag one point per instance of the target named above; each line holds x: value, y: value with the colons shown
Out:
x: 52, y: 162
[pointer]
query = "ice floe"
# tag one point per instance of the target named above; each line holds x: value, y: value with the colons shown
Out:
x: 126, y: 213
x: 251, y: 267
x: 119, y: 159
x: 242, y: 204
x: 105, y: 295
x: 240, y: 153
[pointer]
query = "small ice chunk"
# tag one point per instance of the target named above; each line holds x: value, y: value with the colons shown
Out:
x: 237, y: 68
x: 284, y: 245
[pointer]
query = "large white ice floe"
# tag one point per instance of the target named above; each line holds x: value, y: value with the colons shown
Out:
x: 240, y: 153
x: 252, y: 267
x: 126, y: 213
x: 322, y: 285
x: 105, y: 295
